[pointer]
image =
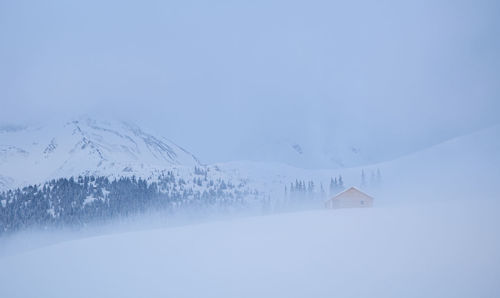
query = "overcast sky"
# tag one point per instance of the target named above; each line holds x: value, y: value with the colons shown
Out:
x: 215, y: 76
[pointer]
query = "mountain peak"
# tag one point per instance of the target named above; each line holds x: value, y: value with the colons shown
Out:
x: 86, y: 145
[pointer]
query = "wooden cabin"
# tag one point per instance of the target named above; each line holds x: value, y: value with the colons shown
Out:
x: 350, y: 198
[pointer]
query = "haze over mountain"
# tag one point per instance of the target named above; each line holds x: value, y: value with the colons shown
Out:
x: 233, y: 80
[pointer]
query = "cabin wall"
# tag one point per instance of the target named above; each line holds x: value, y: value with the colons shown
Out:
x: 350, y: 202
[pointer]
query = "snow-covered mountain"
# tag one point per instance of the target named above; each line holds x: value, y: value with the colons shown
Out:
x: 84, y: 146
x: 462, y: 165
x: 306, y: 153
x: 113, y: 149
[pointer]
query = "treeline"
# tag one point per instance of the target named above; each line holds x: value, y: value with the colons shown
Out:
x: 336, y: 185
x: 76, y: 202
x: 308, y: 193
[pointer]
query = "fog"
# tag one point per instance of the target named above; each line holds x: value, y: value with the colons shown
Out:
x: 228, y: 80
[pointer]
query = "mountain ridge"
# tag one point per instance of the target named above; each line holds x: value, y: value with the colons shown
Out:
x: 85, y: 146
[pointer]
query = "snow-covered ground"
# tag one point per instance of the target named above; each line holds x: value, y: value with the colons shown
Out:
x: 433, y: 250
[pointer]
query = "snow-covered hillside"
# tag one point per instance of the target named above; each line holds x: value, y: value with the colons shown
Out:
x: 84, y: 147
x: 435, y: 250
x: 462, y: 166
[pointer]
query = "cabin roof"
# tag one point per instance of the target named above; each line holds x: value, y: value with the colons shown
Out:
x: 352, y: 188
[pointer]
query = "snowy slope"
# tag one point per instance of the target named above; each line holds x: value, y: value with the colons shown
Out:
x: 84, y: 146
x: 462, y: 165
x: 436, y: 250
x: 465, y: 167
